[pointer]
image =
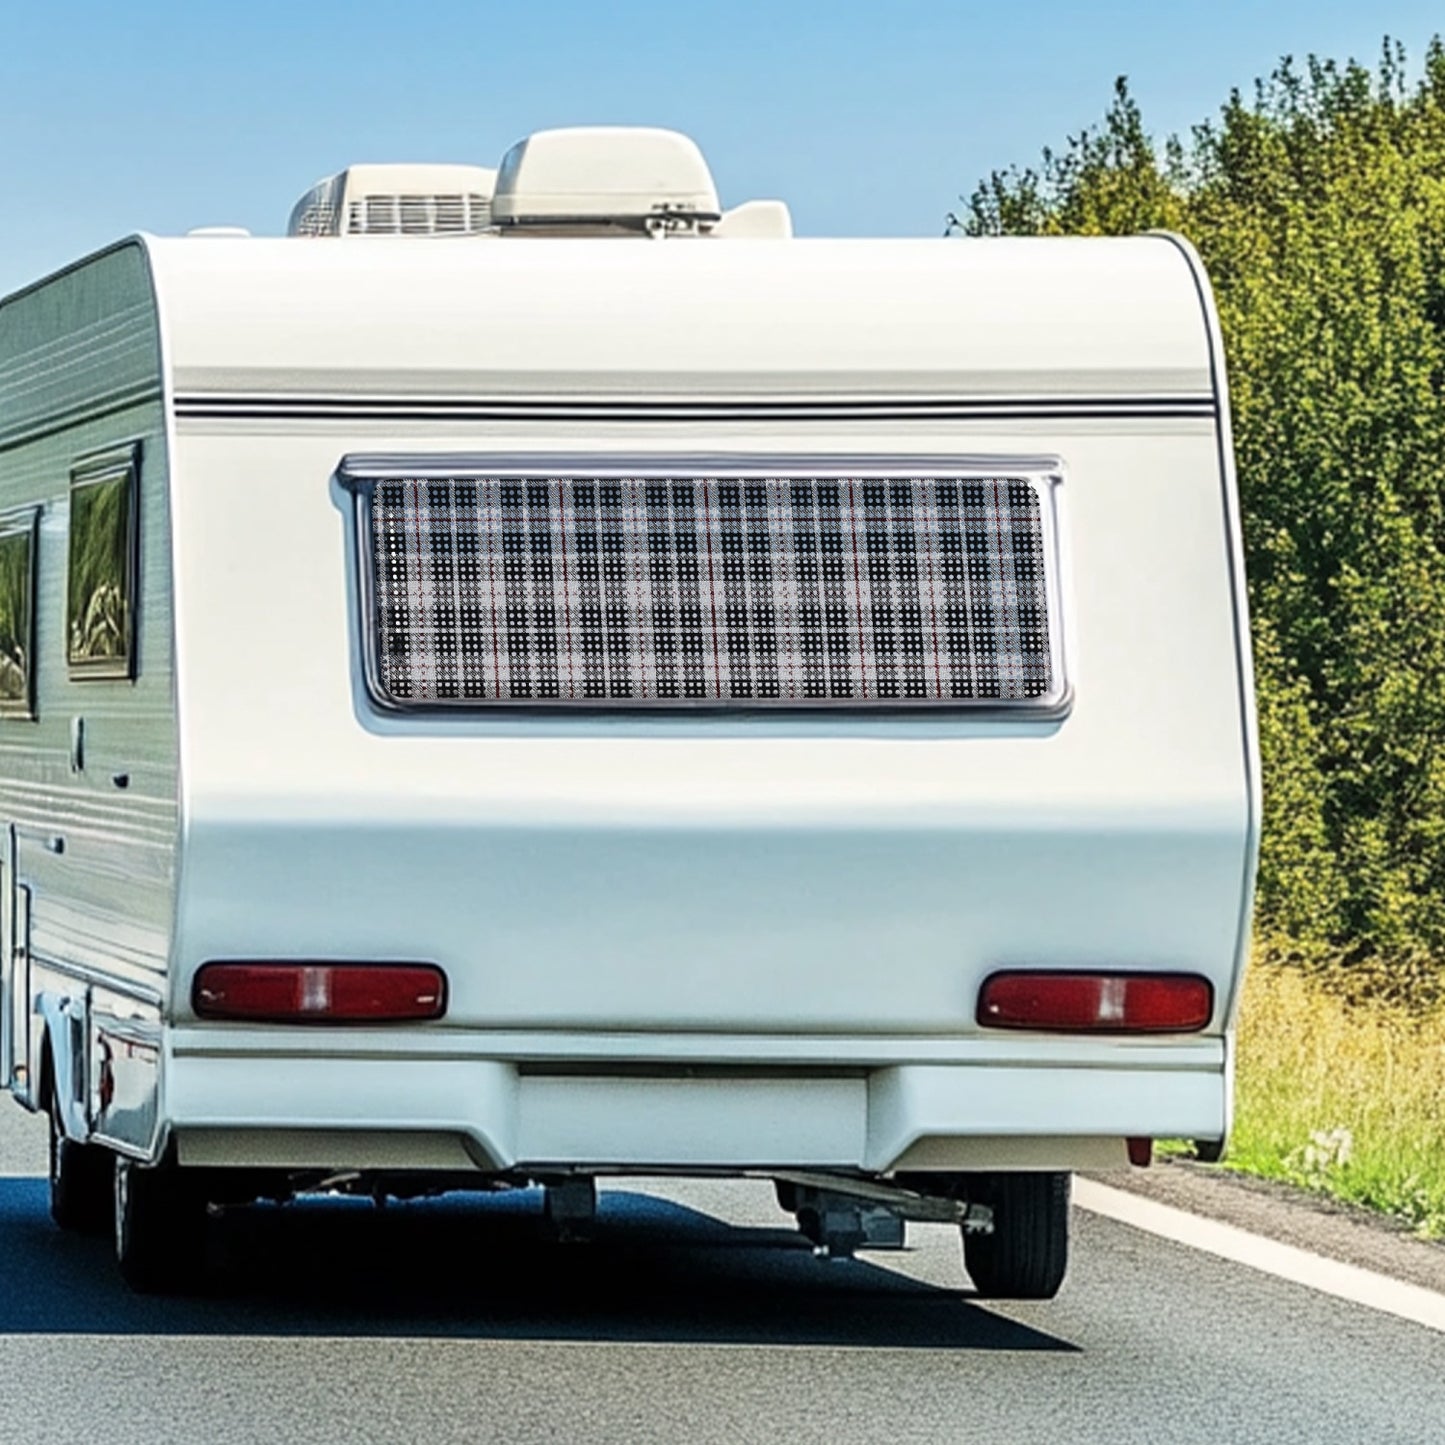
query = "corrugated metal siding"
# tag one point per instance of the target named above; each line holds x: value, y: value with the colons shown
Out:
x: 81, y: 343
x: 80, y: 371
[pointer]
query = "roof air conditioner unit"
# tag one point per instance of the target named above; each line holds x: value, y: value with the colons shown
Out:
x: 606, y: 178
x: 397, y: 200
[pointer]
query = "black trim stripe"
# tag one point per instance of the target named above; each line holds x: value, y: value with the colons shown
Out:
x: 355, y: 408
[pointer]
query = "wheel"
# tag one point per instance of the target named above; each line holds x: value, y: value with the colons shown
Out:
x: 160, y: 1228
x: 1026, y: 1255
x: 80, y: 1180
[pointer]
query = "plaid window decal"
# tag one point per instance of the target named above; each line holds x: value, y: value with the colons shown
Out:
x: 678, y: 591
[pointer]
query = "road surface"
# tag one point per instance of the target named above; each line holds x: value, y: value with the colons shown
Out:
x: 694, y: 1316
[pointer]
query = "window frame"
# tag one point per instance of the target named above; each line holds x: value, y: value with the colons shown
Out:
x: 359, y: 473
x: 116, y: 463
x: 25, y: 522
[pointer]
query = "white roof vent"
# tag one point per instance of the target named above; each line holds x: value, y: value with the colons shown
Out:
x: 426, y: 200
x: 607, y: 177
x: 756, y: 221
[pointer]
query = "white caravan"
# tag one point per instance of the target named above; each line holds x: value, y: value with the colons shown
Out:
x: 623, y: 692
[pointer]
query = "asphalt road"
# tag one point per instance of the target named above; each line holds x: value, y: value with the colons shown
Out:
x: 694, y: 1316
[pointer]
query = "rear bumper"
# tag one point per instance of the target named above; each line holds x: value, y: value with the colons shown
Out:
x: 237, y: 1098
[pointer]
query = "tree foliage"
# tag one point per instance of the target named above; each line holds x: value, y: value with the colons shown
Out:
x: 1318, y: 205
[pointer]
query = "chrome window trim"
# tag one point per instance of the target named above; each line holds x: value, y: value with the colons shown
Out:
x: 359, y: 472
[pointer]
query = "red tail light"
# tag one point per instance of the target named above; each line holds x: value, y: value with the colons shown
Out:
x: 322, y: 993
x: 1105, y: 1003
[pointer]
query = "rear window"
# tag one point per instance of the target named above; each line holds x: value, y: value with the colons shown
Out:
x: 675, y: 591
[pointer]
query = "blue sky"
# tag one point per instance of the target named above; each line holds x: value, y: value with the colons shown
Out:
x: 867, y: 120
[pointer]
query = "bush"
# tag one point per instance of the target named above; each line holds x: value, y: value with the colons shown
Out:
x: 1319, y: 209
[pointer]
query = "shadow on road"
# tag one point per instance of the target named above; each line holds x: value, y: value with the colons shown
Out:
x: 485, y: 1266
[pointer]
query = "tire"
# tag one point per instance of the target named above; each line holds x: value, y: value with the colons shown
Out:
x: 81, y: 1182
x: 160, y: 1228
x: 1027, y: 1254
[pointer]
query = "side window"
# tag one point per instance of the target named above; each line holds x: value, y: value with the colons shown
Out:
x: 17, y: 614
x: 101, y: 584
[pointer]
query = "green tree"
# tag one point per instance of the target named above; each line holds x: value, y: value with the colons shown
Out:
x: 1319, y: 208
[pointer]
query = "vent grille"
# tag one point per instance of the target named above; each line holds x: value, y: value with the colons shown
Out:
x: 412, y: 215
x: 315, y: 213
x: 687, y: 591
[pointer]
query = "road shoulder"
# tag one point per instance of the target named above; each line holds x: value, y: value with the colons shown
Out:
x: 1287, y: 1215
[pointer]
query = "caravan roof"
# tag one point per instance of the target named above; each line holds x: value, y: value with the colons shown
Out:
x: 894, y: 320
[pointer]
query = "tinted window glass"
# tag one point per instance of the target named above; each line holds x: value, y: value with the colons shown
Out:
x: 100, y: 618
x: 17, y: 616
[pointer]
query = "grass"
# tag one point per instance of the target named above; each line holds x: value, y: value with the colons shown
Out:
x: 1344, y: 1098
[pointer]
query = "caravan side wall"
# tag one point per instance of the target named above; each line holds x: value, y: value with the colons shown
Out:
x: 88, y: 889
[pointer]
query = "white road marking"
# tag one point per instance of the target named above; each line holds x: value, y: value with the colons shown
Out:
x: 1284, y: 1261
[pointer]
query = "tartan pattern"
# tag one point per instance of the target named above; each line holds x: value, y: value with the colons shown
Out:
x: 654, y: 591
